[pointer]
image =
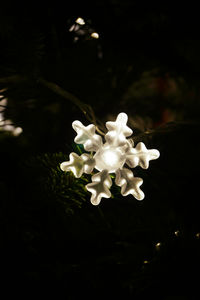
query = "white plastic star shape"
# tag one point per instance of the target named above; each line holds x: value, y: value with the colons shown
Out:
x: 109, y: 157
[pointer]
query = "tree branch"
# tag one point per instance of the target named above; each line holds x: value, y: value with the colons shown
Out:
x: 85, y: 108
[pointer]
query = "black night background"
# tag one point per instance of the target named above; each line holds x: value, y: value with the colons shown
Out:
x: 89, y: 61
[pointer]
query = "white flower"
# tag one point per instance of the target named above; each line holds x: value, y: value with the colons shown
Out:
x: 109, y: 157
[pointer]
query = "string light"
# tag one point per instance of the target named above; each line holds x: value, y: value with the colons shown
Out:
x: 94, y: 35
x: 177, y: 233
x: 158, y: 245
x: 109, y: 157
x: 197, y: 235
x: 82, y: 30
x: 80, y: 21
x: 5, y: 124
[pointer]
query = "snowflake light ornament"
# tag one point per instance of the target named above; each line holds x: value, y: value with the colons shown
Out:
x: 109, y: 157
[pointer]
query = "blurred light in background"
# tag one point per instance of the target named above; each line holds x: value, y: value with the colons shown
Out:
x: 95, y: 35
x: 6, y: 124
x: 80, y: 21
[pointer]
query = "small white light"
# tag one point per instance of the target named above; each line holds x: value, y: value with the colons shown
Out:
x: 197, y: 235
x: 94, y: 35
x: 80, y: 21
x: 158, y: 246
x: 72, y: 28
x: 1, y: 119
x: 6, y: 124
x: 17, y: 131
x: 76, y: 38
x: 3, y: 104
x: 177, y: 233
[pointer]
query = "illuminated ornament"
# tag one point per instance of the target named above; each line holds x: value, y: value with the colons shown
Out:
x: 109, y: 157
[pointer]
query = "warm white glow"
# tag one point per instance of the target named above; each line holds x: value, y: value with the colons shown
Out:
x: 109, y: 157
x: 72, y: 28
x: 80, y: 21
x: 177, y: 232
x: 3, y: 103
x: 17, y: 131
x: 158, y: 245
x: 5, y: 124
x: 94, y: 35
x: 76, y: 38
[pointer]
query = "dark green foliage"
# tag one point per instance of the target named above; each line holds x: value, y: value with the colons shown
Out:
x: 61, y: 186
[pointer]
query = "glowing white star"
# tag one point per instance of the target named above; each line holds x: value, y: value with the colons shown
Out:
x: 110, y: 157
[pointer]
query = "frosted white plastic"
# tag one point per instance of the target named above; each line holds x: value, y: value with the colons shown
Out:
x: 109, y: 157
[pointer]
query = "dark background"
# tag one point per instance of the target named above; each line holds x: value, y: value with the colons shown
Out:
x: 146, y: 63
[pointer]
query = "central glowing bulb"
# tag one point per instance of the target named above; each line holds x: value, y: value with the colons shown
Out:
x: 109, y: 158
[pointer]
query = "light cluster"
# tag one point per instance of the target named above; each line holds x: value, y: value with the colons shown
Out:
x: 81, y: 28
x: 110, y: 157
x: 6, y: 124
